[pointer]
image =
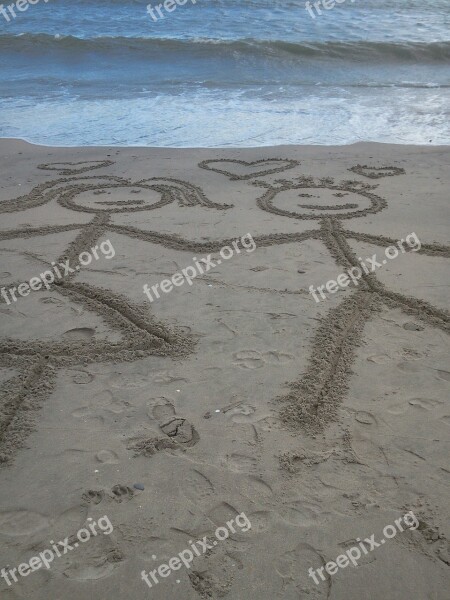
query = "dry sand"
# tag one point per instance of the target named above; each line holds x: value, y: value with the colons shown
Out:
x: 321, y: 422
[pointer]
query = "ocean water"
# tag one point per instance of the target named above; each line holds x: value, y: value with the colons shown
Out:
x: 226, y: 73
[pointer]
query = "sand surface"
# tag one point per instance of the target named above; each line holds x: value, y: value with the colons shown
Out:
x: 322, y: 422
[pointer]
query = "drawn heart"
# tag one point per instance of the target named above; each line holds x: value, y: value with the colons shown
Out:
x: 67, y: 168
x: 241, y: 169
x: 377, y: 172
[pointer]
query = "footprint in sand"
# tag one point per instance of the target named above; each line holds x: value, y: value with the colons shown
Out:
x: 132, y: 381
x: 255, y: 488
x: 81, y: 377
x: 241, y: 463
x: 107, y: 457
x: 248, y: 359
x: 119, y: 493
x: 148, y: 446
x: 424, y: 403
x: 270, y: 423
x: 445, y: 375
x: 21, y: 522
x: 213, y: 575
x: 252, y: 359
x: 93, y: 496
x: 261, y: 520
x: 82, y: 572
x: 163, y: 410
x: 197, y: 487
x: 293, y: 566
x: 222, y: 513
x: 241, y: 414
x: 379, y: 359
x: 94, y: 563
x: 178, y: 429
x: 168, y: 377
x: 365, y: 418
x: 301, y: 514
x: 82, y: 412
x: 79, y: 333
x: 181, y: 431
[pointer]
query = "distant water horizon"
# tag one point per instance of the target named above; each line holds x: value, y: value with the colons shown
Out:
x: 225, y: 73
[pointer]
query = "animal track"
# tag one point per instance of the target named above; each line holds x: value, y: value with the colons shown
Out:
x: 93, y: 496
x: 121, y: 493
x: 118, y: 493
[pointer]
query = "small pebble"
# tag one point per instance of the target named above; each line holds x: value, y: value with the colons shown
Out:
x: 138, y: 486
x: 300, y: 271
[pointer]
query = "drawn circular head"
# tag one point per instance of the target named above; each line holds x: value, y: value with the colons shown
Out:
x: 310, y: 199
x: 110, y: 194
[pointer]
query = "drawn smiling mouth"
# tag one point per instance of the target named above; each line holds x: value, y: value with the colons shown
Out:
x: 121, y: 202
x: 331, y: 207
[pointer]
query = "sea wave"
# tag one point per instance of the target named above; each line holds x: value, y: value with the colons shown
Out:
x: 354, y: 51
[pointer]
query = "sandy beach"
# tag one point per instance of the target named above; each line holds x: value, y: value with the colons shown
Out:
x: 229, y: 390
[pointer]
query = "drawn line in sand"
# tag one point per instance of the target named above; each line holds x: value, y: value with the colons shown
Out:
x: 313, y: 400
x: 377, y: 172
x: 62, y: 167
x: 277, y: 167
